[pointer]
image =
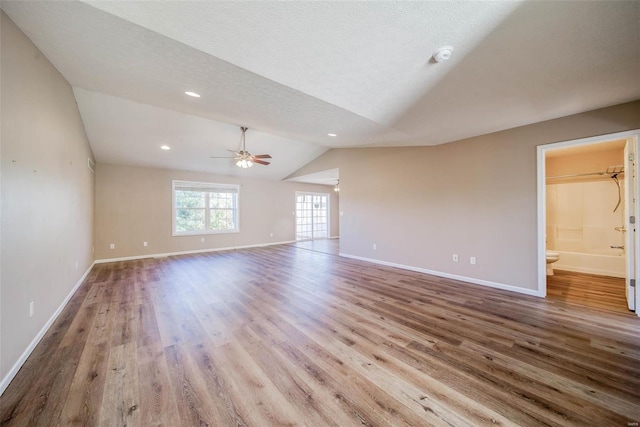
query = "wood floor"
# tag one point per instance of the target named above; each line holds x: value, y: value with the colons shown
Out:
x: 599, y: 292
x: 289, y: 336
x: 327, y: 246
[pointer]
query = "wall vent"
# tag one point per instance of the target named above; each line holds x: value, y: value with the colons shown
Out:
x: 91, y: 164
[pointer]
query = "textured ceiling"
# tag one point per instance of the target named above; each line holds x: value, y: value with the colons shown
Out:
x: 141, y: 129
x: 295, y: 71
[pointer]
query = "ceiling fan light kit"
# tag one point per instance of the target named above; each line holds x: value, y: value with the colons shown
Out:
x: 243, y: 158
x: 244, y: 163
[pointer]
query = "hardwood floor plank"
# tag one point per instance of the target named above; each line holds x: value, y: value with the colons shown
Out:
x: 212, y: 371
x: 368, y: 359
x: 176, y: 321
x: 250, y: 389
x: 421, y: 392
x: 294, y: 387
x: 576, y: 367
x: 120, y: 401
x: 545, y: 385
x: 80, y: 327
x: 195, y: 404
x: 45, y: 407
x: 292, y: 335
x: 501, y: 397
x: 156, y: 395
x: 83, y: 403
x: 325, y: 337
x: 599, y: 292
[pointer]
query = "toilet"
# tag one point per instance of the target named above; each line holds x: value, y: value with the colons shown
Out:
x: 551, y: 258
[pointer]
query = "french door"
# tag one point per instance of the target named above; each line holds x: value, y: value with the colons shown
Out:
x: 312, y: 216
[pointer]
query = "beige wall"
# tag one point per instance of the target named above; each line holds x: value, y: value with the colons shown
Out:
x: 475, y: 197
x: 133, y: 205
x: 47, y: 193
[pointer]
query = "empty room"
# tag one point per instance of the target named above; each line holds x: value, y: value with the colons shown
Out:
x: 222, y: 213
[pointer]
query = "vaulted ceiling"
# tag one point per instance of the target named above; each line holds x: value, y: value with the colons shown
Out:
x: 293, y: 72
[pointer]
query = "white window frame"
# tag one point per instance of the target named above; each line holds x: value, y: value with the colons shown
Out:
x: 207, y: 187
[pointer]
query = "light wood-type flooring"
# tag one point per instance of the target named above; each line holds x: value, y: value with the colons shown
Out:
x: 327, y: 246
x: 599, y: 292
x: 290, y: 336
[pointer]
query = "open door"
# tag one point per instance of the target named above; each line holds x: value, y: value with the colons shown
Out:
x: 630, y: 215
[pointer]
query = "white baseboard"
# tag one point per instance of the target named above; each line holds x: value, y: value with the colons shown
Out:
x: 27, y: 352
x: 488, y: 283
x: 197, y: 251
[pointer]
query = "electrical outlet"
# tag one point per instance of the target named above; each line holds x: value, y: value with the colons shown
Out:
x: 77, y: 264
x: 341, y: 213
x: 375, y: 246
x: 472, y: 260
x: 455, y: 257
x: 271, y: 235
x: 144, y: 244
x: 112, y: 246
x: 202, y: 239
x: 32, y: 309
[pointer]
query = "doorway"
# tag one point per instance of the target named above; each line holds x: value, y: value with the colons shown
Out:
x: 629, y: 241
x: 312, y: 216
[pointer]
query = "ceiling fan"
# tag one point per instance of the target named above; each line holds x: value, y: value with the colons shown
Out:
x: 243, y: 158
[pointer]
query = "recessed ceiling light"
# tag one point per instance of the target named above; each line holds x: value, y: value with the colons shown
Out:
x: 165, y: 147
x: 195, y: 95
x: 332, y: 134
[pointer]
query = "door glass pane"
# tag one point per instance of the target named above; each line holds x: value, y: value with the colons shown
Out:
x: 311, y: 216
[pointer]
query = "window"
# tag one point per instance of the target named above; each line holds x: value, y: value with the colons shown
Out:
x: 204, y: 208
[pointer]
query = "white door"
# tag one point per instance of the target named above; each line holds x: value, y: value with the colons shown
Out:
x: 630, y: 210
x: 312, y: 216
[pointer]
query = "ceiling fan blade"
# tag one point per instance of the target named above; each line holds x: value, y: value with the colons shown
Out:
x: 243, y: 155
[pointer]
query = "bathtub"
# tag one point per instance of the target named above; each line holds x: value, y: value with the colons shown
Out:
x: 604, y: 265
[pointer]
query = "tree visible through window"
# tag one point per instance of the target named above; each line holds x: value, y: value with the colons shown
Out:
x: 202, y: 208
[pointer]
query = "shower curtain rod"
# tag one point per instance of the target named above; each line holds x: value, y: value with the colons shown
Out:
x: 586, y: 174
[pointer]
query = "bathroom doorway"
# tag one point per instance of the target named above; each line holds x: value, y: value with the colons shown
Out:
x: 586, y: 211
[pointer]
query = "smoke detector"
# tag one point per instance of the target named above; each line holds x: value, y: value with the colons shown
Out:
x: 443, y: 53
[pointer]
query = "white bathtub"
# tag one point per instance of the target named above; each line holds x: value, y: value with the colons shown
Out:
x: 605, y: 265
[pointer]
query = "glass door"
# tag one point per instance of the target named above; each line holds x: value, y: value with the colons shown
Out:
x: 312, y: 216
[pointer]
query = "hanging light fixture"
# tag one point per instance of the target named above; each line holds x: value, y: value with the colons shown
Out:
x: 243, y: 159
x: 336, y: 187
x: 244, y: 163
